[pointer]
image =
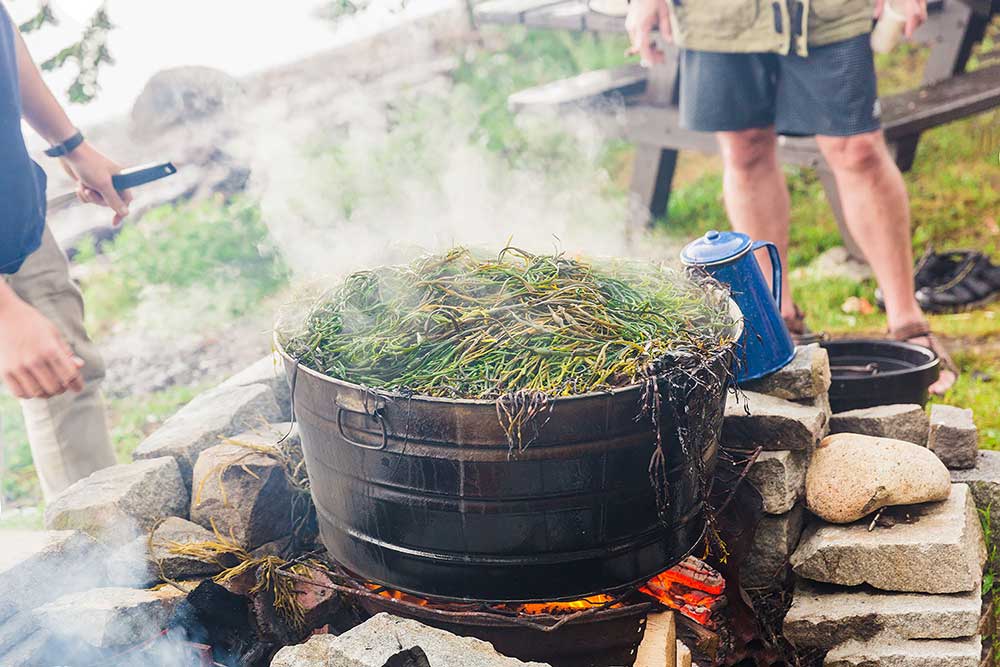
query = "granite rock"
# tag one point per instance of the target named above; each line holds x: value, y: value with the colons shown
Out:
x: 984, y: 482
x: 176, y: 531
x: 824, y: 616
x: 220, y: 412
x: 930, y: 548
x: 116, y: 503
x: 180, y: 95
x: 900, y: 422
x: 244, y: 492
x: 806, y: 376
x: 775, y: 539
x: 773, y: 424
x: 780, y: 478
x: 850, y: 476
x: 953, y: 436
x: 269, y: 372
x: 892, y: 652
x: 66, y: 560
x: 381, y: 637
x: 109, y: 617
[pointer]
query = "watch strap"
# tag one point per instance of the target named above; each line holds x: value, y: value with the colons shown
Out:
x: 66, y: 147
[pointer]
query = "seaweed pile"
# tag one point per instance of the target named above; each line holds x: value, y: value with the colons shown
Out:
x: 518, y: 328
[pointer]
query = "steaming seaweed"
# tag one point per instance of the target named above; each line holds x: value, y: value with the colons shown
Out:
x: 460, y: 326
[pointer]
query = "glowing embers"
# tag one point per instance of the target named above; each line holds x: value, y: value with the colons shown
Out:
x: 692, y: 587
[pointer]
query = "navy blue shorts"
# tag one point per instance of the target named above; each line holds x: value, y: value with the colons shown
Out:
x: 832, y: 92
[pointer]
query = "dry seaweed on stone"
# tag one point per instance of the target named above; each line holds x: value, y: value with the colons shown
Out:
x: 460, y: 326
x: 265, y: 569
x: 292, y: 462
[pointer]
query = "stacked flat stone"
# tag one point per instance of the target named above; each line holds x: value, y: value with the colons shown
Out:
x: 904, y: 592
x: 84, y: 586
x: 785, y: 415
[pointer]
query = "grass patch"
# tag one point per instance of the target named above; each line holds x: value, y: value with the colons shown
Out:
x: 212, y: 244
x: 130, y: 420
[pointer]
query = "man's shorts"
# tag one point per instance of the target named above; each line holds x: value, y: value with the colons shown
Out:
x: 831, y: 92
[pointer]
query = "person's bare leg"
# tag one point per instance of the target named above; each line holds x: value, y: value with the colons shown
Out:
x: 756, y: 196
x: 877, y: 211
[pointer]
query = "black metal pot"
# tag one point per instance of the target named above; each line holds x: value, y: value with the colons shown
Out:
x: 421, y: 494
x: 866, y: 373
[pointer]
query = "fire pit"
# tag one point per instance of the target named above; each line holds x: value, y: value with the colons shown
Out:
x: 596, y: 631
x: 608, y: 636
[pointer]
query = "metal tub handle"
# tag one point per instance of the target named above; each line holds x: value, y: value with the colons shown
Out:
x: 376, y: 414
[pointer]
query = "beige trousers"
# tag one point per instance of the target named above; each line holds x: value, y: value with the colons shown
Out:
x: 69, y: 433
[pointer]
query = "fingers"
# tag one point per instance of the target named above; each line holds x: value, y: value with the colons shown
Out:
x: 879, y: 7
x: 666, y: 29
x: 66, y: 370
x: 48, y: 376
x: 88, y: 196
x: 14, y: 384
x: 29, y: 385
x: 916, y: 17
x: 113, y: 199
x: 648, y: 53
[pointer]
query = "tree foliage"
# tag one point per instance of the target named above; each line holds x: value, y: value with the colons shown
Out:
x: 87, y: 55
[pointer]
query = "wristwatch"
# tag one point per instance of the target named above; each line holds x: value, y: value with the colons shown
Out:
x: 66, y: 147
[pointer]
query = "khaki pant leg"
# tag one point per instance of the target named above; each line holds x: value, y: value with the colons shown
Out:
x: 68, y: 433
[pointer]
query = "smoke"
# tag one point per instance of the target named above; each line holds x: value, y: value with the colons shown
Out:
x: 70, y: 600
x: 380, y: 170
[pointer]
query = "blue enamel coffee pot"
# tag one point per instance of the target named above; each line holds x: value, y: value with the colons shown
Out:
x: 765, y: 345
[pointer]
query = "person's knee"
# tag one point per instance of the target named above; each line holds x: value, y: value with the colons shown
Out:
x: 860, y: 153
x: 749, y: 150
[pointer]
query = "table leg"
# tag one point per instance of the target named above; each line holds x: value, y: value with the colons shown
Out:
x: 652, y: 177
x: 653, y: 167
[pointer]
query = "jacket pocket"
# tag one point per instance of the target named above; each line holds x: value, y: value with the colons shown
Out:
x: 717, y: 18
x: 828, y: 11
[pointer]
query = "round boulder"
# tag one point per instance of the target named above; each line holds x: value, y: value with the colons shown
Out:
x: 851, y: 475
x: 180, y: 95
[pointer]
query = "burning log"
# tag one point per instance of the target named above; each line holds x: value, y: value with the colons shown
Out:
x: 692, y: 587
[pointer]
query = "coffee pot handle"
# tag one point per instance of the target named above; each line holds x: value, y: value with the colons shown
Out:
x: 772, y: 251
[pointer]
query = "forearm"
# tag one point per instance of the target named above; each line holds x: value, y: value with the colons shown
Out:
x: 8, y: 298
x: 40, y: 107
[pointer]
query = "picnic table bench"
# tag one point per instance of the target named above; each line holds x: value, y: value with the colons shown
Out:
x: 650, y: 95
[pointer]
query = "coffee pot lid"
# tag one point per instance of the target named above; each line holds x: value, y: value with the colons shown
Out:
x: 715, y: 247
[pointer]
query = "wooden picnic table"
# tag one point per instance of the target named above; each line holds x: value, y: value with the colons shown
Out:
x: 650, y: 95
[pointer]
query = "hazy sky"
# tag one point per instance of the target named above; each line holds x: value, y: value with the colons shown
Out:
x: 237, y: 36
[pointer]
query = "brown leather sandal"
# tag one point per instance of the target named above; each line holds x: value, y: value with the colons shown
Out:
x: 801, y: 334
x: 910, y: 332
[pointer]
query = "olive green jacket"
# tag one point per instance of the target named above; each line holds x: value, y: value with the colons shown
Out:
x: 758, y: 26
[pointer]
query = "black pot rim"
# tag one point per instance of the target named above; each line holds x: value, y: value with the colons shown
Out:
x: 932, y: 362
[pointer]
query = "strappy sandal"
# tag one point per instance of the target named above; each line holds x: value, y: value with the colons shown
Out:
x: 911, y: 332
x: 975, y: 284
x: 934, y: 269
x: 801, y: 334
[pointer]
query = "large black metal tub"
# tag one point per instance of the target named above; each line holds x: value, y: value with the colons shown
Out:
x: 420, y: 494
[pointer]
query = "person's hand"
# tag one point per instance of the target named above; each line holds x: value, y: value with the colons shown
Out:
x: 92, y: 171
x: 35, y: 361
x: 915, y: 12
x: 643, y: 16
